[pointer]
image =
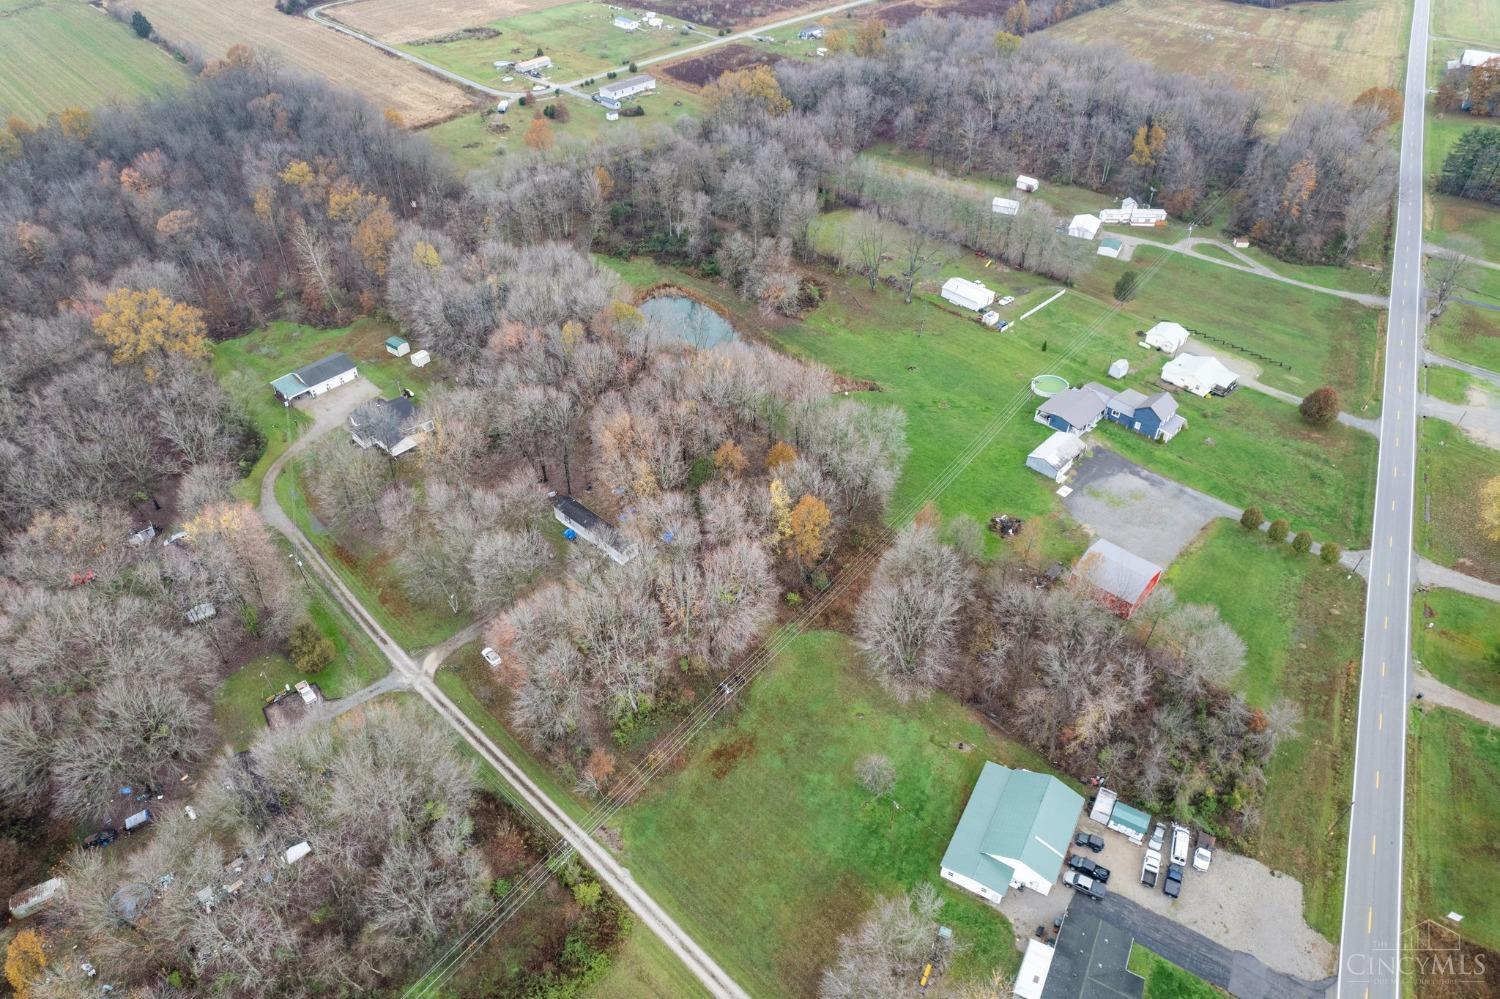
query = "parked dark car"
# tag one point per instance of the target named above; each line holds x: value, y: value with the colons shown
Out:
x: 101, y: 839
x: 1084, y: 865
x: 1087, y: 839
x: 1084, y: 885
x: 1172, y: 887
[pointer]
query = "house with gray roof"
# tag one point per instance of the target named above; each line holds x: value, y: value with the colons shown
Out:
x: 393, y: 425
x: 316, y: 378
x: 1153, y: 416
x: 1014, y: 833
x: 1073, y: 411
x: 579, y: 521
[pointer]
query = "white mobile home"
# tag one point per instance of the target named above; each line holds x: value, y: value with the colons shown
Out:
x: 534, y: 66
x: 619, y: 90
x: 1168, y: 337
x: 581, y: 522
x: 1202, y: 376
x: 626, y: 24
x: 967, y: 294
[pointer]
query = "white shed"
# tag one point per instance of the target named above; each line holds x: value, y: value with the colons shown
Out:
x: 420, y: 358
x: 1167, y: 336
x: 1054, y: 456
x: 1005, y: 206
x: 1110, y: 247
x: 1084, y: 226
x: 1119, y: 369
x: 1032, y: 978
x: 967, y: 294
x: 1025, y: 183
x: 1476, y: 57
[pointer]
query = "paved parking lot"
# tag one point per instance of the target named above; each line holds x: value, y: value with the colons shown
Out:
x: 1139, y: 510
x: 1239, y: 903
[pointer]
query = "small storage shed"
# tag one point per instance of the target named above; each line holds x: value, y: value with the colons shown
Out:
x: 420, y: 358
x: 1168, y: 337
x: 967, y: 294
x: 1131, y: 822
x: 1054, y: 456
x: 397, y: 346
x: 1110, y: 247
x: 1119, y: 368
x: 1025, y: 183
x: 1005, y: 206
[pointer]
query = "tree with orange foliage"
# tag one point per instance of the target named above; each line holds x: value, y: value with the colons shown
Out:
x: 1301, y: 182
x: 1386, y: 100
x: 75, y: 123
x: 747, y: 90
x: 373, y: 237
x: 395, y: 118
x: 539, y: 135
x: 810, y: 521
x: 781, y: 452
x: 146, y: 325
x: 730, y: 460
x: 25, y: 960
x: 869, y: 37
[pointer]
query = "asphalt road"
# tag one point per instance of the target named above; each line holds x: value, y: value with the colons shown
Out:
x: 1370, y: 940
x: 409, y: 674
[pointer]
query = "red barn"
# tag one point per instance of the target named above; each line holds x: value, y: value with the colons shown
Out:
x: 1118, y: 579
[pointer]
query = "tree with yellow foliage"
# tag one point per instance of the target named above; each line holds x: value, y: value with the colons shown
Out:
x: 298, y: 173
x: 745, y: 90
x: 730, y: 460
x: 1006, y: 42
x: 147, y: 325
x: 25, y: 960
x: 75, y: 123
x: 1149, y: 142
x: 869, y: 37
x: 426, y: 256
x: 1489, y: 508
x: 781, y: 509
x: 539, y: 135
x: 781, y: 452
x: 810, y: 520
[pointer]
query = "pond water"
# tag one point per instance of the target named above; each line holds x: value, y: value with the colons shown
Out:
x: 688, y: 320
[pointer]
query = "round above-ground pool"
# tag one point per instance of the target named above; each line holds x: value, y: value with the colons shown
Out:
x: 1048, y: 386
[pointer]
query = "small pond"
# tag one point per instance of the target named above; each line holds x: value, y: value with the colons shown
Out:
x: 688, y: 320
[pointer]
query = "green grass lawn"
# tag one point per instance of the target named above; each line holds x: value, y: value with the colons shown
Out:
x: 1466, y: 333
x: 580, y: 38
x: 1165, y: 980
x: 1325, y: 340
x: 1469, y: 19
x: 643, y: 968
x: 56, y: 54
x: 1452, y: 471
x: 356, y: 663
x: 766, y: 848
x: 1453, y: 822
x: 1448, y: 384
x: 1301, y: 623
x: 246, y: 365
x: 1448, y: 216
x: 1458, y: 640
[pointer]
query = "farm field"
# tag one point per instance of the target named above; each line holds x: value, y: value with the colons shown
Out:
x: 1452, y: 823
x: 211, y: 28
x: 1310, y: 658
x: 1452, y: 469
x: 1297, y: 54
x: 1469, y: 20
x: 765, y: 847
x: 56, y: 54
x: 1457, y: 640
x: 580, y: 38
x: 412, y: 20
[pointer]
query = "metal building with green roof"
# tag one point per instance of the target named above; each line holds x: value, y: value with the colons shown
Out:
x: 1014, y: 832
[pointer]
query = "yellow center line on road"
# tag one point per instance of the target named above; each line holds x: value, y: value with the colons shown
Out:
x: 1382, y: 667
x: 1377, y: 780
x: 1380, y: 722
x: 1372, y: 844
x: 1370, y: 919
x: 1385, y: 622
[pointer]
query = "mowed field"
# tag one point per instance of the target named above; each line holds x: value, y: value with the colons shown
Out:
x: 212, y: 27
x: 1470, y: 20
x: 63, y: 53
x: 413, y: 20
x: 1298, y: 54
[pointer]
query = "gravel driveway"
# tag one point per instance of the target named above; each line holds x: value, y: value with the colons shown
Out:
x: 1138, y: 510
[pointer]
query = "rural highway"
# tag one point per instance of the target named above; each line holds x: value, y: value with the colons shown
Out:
x: 1370, y: 940
x: 316, y: 14
x: 409, y: 674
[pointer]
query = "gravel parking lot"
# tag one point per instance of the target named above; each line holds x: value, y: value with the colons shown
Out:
x: 1239, y: 903
x: 1139, y: 510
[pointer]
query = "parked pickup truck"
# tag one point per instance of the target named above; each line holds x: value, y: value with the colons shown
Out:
x: 1172, y: 887
x: 1151, y: 868
x: 1204, y: 855
x: 1084, y: 885
x: 1084, y: 865
x: 1181, y: 838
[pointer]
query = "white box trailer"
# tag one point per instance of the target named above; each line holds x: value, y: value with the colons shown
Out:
x: 967, y: 294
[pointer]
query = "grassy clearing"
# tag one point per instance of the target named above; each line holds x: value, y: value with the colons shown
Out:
x: 1470, y: 19
x: 1470, y: 334
x: 580, y: 38
x: 246, y: 365
x: 767, y: 849
x: 1448, y: 384
x: 1452, y: 471
x: 1301, y: 622
x: 1458, y: 641
x: 1453, y: 822
x: 1326, y: 340
x: 56, y: 54
x: 1165, y: 980
x: 1295, y: 55
x: 356, y: 663
x: 643, y: 968
x: 1448, y: 216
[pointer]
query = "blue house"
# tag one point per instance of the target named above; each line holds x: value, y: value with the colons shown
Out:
x: 1075, y: 410
x: 1154, y: 416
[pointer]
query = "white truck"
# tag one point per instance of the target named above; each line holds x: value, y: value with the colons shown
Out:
x: 1181, y: 839
x: 1204, y: 855
x: 1151, y: 868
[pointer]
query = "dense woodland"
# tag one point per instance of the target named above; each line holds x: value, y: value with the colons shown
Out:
x: 129, y: 242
